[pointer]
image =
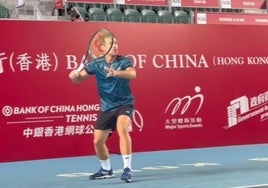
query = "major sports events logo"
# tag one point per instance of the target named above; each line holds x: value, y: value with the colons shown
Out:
x: 182, y: 112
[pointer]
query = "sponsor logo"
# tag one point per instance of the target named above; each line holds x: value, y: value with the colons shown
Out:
x: 201, y: 18
x: 182, y: 112
x: 181, y: 105
x: 244, y: 108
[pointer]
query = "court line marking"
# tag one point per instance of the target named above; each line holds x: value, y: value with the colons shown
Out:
x: 152, y: 168
x: 259, y: 159
x: 253, y: 186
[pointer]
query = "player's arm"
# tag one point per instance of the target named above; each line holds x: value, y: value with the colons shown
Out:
x: 78, y: 77
x: 128, y: 73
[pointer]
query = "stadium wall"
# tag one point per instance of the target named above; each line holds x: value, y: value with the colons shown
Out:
x: 197, y: 86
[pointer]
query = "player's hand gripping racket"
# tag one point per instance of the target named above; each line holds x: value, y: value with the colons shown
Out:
x: 99, y: 45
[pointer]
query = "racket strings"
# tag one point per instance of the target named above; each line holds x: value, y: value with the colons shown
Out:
x: 98, y: 46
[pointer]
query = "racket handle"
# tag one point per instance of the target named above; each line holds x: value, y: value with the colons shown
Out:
x: 80, y: 68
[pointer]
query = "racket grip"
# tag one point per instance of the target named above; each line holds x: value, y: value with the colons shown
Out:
x: 81, y: 67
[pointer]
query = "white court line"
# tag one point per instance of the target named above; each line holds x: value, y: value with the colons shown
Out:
x: 253, y: 186
x: 259, y: 159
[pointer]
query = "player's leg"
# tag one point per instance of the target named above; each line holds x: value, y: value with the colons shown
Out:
x: 105, y: 123
x: 100, y: 138
x: 125, y: 143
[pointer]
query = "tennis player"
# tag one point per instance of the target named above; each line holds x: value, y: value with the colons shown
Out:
x: 113, y: 74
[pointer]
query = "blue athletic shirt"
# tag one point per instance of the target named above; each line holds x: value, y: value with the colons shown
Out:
x: 113, y: 91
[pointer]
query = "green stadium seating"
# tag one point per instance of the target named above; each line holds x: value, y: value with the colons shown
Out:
x: 181, y: 16
x: 97, y: 14
x: 4, y: 12
x: 132, y: 15
x: 149, y: 15
x: 114, y: 15
x: 165, y: 16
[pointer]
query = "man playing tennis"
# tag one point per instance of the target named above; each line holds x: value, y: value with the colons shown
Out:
x: 113, y: 74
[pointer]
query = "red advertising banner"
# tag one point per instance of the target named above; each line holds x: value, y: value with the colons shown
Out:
x: 144, y: 2
x: 243, y: 4
x: 58, y: 4
x: 192, y: 89
x: 231, y: 18
x: 195, y: 3
x: 91, y: 1
x: 127, y: 2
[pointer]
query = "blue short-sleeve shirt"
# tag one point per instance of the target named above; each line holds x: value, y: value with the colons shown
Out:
x: 113, y: 91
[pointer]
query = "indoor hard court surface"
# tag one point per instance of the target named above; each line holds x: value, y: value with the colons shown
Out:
x: 217, y: 167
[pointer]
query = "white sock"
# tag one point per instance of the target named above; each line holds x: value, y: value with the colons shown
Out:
x: 105, y: 164
x: 127, y: 160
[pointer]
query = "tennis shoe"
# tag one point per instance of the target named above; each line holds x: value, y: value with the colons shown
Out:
x: 127, y: 175
x: 102, y: 174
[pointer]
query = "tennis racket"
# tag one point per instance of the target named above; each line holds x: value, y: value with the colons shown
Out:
x: 99, y: 46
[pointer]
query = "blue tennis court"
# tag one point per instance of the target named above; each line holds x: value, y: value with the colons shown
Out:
x: 217, y: 167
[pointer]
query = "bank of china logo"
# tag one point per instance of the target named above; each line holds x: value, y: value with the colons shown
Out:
x: 182, y: 105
